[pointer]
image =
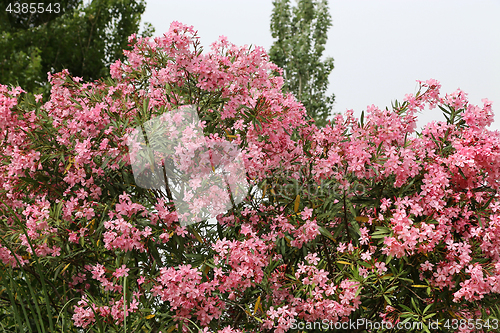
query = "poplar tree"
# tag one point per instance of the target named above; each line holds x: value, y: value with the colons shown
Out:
x: 300, y: 34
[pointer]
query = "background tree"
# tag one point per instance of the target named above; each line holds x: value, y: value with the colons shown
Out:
x: 300, y: 36
x: 83, y: 37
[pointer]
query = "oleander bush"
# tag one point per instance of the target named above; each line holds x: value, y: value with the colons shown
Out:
x: 363, y: 219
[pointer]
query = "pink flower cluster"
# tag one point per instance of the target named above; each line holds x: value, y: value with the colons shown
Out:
x: 116, y: 310
x: 244, y: 260
x: 121, y: 234
x: 187, y: 295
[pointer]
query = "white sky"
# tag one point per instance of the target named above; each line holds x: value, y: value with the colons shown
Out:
x: 380, y: 47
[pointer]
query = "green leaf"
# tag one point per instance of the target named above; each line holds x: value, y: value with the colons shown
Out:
x: 326, y: 233
x: 405, y: 307
x: 444, y: 110
x: 381, y: 232
x: 429, y: 316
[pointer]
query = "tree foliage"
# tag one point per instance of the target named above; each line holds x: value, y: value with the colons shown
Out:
x: 300, y: 35
x: 83, y: 37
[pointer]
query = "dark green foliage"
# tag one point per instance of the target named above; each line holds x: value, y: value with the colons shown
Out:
x: 84, y: 37
x: 300, y: 35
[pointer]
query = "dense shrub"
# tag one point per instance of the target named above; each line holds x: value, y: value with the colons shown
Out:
x: 363, y: 219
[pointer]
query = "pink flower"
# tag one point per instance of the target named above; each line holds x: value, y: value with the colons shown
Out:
x: 427, y: 266
x: 312, y: 258
x: 181, y: 231
x: 381, y: 267
x: 364, y: 236
x: 341, y: 248
x: 123, y: 271
x: 73, y: 237
x: 307, y: 213
x: 366, y: 255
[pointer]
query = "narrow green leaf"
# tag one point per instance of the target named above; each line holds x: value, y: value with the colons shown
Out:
x: 326, y: 233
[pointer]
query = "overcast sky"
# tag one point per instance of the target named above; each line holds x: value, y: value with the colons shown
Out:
x: 380, y: 47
